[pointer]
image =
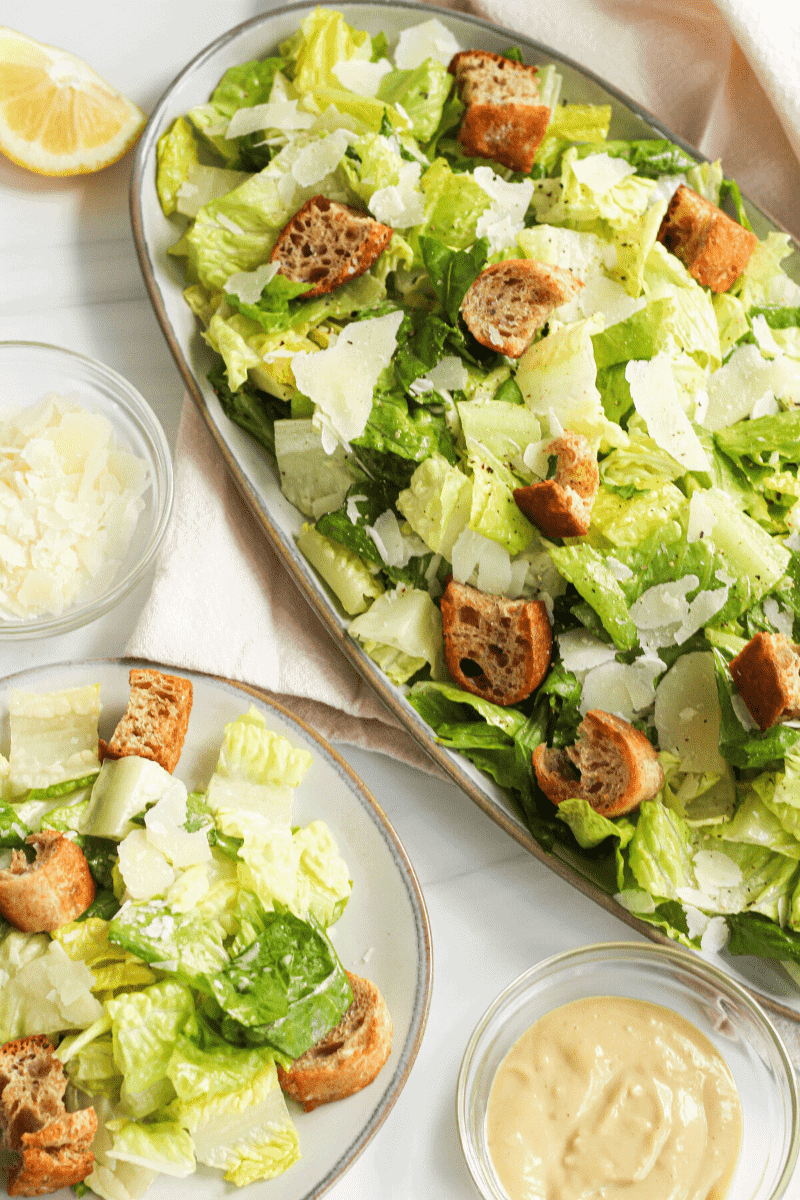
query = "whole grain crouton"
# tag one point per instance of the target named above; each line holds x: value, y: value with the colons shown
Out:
x: 714, y: 247
x: 156, y: 720
x: 617, y: 767
x: 511, y: 300
x: 562, y: 507
x: 504, y: 119
x: 51, y: 891
x: 52, y: 1145
x: 494, y: 647
x: 767, y: 676
x: 327, y: 244
x: 348, y: 1057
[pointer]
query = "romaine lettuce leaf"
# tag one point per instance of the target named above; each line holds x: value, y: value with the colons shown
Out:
x: 354, y: 581
x: 256, y: 754
x: 232, y: 1104
x: 407, y: 620
x: 162, y: 1146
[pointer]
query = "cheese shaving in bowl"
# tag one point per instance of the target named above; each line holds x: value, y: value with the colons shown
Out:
x: 70, y: 499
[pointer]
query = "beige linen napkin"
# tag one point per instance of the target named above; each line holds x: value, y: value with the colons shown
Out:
x: 725, y: 77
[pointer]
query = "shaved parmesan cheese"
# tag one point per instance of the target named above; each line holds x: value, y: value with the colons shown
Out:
x: 505, y: 216
x: 746, y: 381
x: 318, y: 159
x: 278, y: 114
x: 204, y: 184
x: 581, y: 651
x: 601, y: 172
x: 430, y: 39
x: 340, y: 380
x: 70, y: 499
x: 400, y: 204
x: 448, y: 375
x: 618, y: 569
x: 664, y: 616
x: 655, y: 398
x: 779, y: 618
x: 360, y: 76
x: 624, y: 689
x: 248, y: 285
x: 687, y: 714
x: 493, y: 563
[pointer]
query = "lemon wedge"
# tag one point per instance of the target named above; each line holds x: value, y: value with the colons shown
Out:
x: 57, y: 117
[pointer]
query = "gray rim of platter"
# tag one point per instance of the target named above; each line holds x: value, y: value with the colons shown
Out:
x: 255, y: 475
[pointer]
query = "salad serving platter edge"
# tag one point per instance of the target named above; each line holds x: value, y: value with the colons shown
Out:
x: 256, y: 477
x: 384, y: 933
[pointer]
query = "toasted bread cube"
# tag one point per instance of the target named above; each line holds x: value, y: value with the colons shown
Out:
x: 486, y: 78
x: 714, y: 247
x: 767, y: 676
x: 348, y: 1057
x: 511, y: 300
x: 562, y: 507
x: 156, y: 720
x: 509, y: 133
x: 54, y: 1146
x: 504, y: 120
x: 494, y: 647
x: 51, y: 891
x: 618, y: 767
x: 328, y: 244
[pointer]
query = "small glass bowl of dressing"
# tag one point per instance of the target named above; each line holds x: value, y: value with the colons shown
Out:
x: 76, y: 551
x: 731, y: 1025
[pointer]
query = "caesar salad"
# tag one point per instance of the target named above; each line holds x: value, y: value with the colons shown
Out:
x: 406, y: 433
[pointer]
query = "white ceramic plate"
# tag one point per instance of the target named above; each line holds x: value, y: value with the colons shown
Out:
x: 383, y: 934
x: 255, y: 474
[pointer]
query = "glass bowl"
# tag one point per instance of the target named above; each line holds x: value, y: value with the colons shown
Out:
x: 675, y: 979
x: 31, y: 370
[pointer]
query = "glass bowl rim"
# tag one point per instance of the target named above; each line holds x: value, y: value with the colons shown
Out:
x: 648, y: 953
x: 141, y: 415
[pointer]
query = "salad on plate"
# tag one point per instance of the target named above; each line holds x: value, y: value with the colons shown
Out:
x: 581, y: 330
x: 165, y: 953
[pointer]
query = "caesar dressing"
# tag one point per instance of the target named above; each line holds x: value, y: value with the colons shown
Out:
x: 616, y: 1098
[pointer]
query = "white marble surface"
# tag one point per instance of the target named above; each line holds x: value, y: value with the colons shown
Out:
x: 69, y: 275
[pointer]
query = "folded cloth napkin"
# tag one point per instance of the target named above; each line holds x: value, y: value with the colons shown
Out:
x: 725, y: 77
x: 223, y: 603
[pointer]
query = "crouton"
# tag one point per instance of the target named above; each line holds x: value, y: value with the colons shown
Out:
x: 511, y: 300
x: 504, y: 120
x: 51, y: 891
x: 486, y: 78
x: 508, y: 134
x: 156, y: 720
x: 348, y: 1057
x: 617, y: 766
x: 327, y: 244
x: 53, y: 1145
x: 562, y: 507
x: 494, y: 647
x: 767, y: 675
x: 714, y: 247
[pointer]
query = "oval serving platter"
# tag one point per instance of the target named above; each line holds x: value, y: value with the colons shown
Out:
x: 256, y: 476
x: 383, y: 933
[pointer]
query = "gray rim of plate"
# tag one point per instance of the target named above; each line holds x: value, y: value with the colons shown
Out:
x: 368, y: 803
x: 476, y: 786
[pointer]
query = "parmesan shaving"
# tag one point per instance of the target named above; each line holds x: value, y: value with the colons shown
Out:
x: 70, y: 499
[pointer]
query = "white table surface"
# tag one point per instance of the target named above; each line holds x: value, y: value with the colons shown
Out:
x: 69, y: 276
